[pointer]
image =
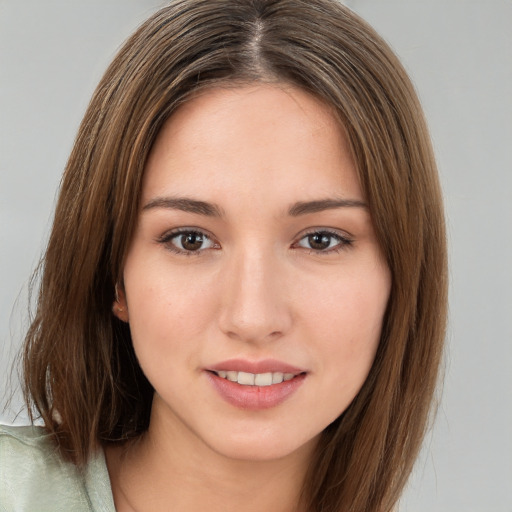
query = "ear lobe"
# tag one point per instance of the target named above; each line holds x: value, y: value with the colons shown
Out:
x: 120, y: 306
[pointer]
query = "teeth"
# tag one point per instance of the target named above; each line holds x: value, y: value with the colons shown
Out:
x: 255, y: 379
x: 277, y: 377
x: 232, y: 376
x: 247, y: 379
x: 263, y: 379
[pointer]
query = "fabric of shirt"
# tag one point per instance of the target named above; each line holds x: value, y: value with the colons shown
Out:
x: 33, y: 476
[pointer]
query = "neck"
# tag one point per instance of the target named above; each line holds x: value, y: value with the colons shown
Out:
x: 172, y: 469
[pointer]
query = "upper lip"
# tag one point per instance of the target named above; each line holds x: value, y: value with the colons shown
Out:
x: 262, y: 366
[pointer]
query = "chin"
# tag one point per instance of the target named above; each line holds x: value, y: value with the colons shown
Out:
x: 262, y: 445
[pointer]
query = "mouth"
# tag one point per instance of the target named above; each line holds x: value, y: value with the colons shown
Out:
x: 256, y: 385
x: 255, y: 379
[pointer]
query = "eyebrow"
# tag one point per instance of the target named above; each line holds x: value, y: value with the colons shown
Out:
x: 305, y: 207
x: 189, y: 205
x: 185, y: 204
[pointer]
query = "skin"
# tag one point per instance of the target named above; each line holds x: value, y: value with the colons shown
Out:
x: 254, y: 289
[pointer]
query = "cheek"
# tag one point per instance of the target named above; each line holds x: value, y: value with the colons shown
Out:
x: 347, y: 319
x: 166, y: 307
x: 354, y: 302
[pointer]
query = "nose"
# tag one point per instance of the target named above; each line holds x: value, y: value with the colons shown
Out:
x: 255, y: 307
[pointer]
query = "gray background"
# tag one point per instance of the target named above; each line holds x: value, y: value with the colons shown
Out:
x: 459, y: 54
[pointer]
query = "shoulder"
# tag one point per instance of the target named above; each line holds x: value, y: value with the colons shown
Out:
x: 33, y: 476
x: 24, y: 450
x: 23, y: 438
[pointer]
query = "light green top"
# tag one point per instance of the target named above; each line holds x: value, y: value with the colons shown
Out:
x: 33, y: 477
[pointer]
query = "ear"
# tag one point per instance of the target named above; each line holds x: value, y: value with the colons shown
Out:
x: 120, y: 306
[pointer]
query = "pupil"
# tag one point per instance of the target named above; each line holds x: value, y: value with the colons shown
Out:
x: 319, y: 241
x: 191, y: 241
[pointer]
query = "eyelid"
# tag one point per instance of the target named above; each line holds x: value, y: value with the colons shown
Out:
x: 166, y: 238
x: 346, y: 240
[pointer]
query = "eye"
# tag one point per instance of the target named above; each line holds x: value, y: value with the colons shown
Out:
x: 187, y: 241
x: 324, y: 241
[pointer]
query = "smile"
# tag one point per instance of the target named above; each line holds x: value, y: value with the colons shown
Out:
x: 255, y: 379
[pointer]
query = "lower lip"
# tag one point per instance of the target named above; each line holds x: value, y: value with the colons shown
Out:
x: 255, y: 397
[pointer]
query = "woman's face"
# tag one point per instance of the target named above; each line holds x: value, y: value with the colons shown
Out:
x: 254, y: 285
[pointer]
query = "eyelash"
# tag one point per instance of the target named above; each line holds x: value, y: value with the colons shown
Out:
x: 343, y: 241
x: 166, y: 239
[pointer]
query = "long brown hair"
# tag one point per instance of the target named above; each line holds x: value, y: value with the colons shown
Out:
x: 81, y: 374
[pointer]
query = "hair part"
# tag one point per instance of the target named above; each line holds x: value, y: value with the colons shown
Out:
x: 81, y: 373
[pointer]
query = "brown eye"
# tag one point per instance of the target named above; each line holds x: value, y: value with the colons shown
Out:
x: 188, y: 241
x: 324, y: 241
x: 191, y: 241
x: 319, y: 241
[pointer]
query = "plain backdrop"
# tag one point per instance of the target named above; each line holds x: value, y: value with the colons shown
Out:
x: 459, y: 55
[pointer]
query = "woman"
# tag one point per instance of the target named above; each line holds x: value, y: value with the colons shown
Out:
x: 243, y: 298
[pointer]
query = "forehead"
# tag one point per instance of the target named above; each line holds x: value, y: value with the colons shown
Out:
x: 252, y: 138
